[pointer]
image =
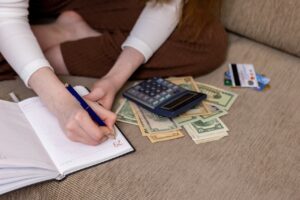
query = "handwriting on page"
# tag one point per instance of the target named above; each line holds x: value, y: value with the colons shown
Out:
x: 117, y: 143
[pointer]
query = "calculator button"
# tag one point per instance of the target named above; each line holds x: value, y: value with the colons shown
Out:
x: 159, y: 80
x: 155, y: 103
x: 170, y: 85
x: 137, y: 87
x: 162, y: 99
x: 150, y: 100
x: 145, y: 98
x: 140, y: 96
x: 147, y: 91
x: 152, y: 94
x: 132, y: 91
x: 163, y: 94
x: 175, y: 87
x: 158, y: 91
x: 168, y: 96
x: 169, y: 90
x: 141, y: 89
x: 157, y: 97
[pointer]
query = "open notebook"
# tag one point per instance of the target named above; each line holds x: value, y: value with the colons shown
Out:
x: 33, y: 147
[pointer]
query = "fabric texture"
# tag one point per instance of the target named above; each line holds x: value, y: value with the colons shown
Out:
x: 259, y: 159
x: 273, y: 22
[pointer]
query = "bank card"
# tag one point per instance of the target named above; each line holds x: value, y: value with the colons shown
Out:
x: 243, y: 75
x: 263, y: 81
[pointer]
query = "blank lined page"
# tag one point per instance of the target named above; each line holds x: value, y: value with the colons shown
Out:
x: 67, y: 155
x: 19, y: 146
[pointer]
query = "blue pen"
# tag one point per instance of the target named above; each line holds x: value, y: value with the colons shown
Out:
x: 85, y: 106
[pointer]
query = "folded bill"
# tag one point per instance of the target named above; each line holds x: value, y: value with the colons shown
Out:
x: 217, y: 96
x: 199, y: 130
x: 165, y: 136
x: 151, y: 123
x: 125, y: 113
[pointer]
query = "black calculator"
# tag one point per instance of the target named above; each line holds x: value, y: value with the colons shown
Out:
x: 162, y: 97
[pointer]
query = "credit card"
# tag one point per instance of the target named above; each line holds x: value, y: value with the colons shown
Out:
x: 243, y: 75
x: 263, y: 81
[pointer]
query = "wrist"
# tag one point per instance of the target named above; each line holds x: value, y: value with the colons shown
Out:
x: 129, y: 60
x: 49, y: 88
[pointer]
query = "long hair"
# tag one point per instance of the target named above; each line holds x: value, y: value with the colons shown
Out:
x: 197, y: 13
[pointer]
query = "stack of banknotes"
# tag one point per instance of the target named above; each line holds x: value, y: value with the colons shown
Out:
x: 202, y: 123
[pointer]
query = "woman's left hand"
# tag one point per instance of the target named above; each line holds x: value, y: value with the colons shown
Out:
x: 103, y: 92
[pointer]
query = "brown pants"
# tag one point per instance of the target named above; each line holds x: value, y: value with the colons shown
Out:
x: 95, y: 56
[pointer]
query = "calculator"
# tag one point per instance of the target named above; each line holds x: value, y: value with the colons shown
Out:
x: 162, y: 97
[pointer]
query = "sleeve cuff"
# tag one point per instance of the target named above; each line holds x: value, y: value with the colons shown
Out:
x: 32, y: 67
x: 139, y: 45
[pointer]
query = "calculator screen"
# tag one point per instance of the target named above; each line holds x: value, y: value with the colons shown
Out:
x: 186, y: 98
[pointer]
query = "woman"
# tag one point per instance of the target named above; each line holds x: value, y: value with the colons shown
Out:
x: 111, y: 40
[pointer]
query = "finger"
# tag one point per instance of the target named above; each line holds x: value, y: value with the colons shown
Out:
x: 75, y: 133
x: 86, y: 138
x: 106, y: 102
x: 95, y: 94
x: 90, y: 127
x: 107, y: 116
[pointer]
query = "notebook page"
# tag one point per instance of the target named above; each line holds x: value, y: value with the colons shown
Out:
x: 19, y: 146
x: 67, y: 155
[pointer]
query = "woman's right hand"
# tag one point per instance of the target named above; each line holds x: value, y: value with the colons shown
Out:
x: 76, y: 122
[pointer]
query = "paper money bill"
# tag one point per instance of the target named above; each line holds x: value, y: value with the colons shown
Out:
x: 188, y: 83
x: 125, y: 113
x: 151, y: 123
x: 166, y: 136
x: 215, y: 138
x: 200, y: 130
x: 118, y: 103
x: 216, y: 112
x: 219, y: 97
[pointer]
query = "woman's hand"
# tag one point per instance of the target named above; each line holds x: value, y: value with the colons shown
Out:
x: 76, y: 122
x: 78, y: 125
x: 103, y: 92
x: 105, y: 89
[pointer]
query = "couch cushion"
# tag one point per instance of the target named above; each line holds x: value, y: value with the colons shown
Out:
x: 272, y: 22
x: 258, y: 160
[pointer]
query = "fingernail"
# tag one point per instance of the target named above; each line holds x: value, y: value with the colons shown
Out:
x: 113, y: 133
x: 111, y: 136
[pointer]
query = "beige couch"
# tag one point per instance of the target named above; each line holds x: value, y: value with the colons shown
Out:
x: 259, y: 160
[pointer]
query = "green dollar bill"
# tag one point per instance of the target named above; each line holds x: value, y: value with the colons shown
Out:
x: 199, y: 130
x: 216, y: 137
x: 216, y: 112
x: 125, y: 114
x: 152, y: 123
x: 219, y: 97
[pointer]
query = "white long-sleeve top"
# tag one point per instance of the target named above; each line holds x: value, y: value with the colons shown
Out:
x: 21, y: 49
